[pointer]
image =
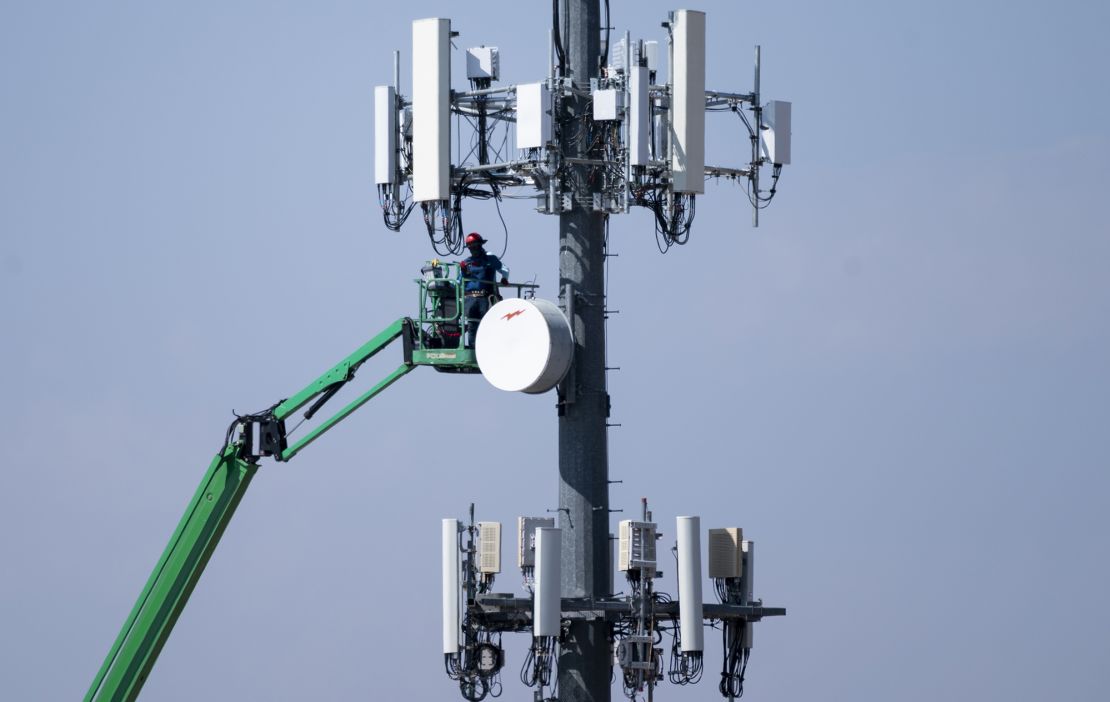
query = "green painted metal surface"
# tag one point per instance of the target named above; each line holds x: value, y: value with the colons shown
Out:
x: 440, y: 323
x: 445, y: 357
x: 342, y: 414
x: 146, y: 629
x: 341, y: 371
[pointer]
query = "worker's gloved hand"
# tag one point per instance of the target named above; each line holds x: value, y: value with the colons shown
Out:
x: 504, y: 281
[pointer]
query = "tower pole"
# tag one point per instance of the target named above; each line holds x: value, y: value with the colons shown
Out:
x: 584, y: 658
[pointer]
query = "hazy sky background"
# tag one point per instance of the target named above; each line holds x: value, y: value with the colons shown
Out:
x: 897, y: 384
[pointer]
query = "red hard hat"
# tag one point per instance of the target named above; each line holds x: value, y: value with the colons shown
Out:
x: 474, y: 238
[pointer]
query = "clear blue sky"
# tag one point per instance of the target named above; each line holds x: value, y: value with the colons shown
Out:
x: 897, y: 385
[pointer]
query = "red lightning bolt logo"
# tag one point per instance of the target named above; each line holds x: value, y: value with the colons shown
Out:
x: 510, y: 315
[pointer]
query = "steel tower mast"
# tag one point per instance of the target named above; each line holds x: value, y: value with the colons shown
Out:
x: 584, y: 406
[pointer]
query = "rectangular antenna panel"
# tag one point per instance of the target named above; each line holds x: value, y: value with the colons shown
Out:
x: 688, y: 106
x: 725, y: 554
x: 637, y: 546
x: 526, y: 538
x: 489, y: 547
x: 616, y: 55
x: 533, y: 116
x: 431, y: 109
x: 638, y: 132
x: 748, y: 582
x: 385, y: 135
x: 547, y: 600
x: 747, y: 587
x: 644, y: 53
x: 775, y: 138
x: 612, y: 563
x: 451, y: 586
x: 483, y: 62
x: 651, y: 55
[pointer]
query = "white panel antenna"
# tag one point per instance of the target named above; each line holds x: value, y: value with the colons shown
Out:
x: 547, y: 603
x: 612, y: 563
x: 748, y: 586
x: 637, y: 546
x: 651, y: 55
x: 747, y: 582
x: 775, y: 136
x: 638, y: 117
x: 431, y: 109
x: 688, y: 102
x: 385, y: 135
x: 725, y: 554
x: 489, y: 547
x: 526, y: 538
x: 617, y: 55
x: 450, y: 586
x: 688, y: 530
x: 533, y: 116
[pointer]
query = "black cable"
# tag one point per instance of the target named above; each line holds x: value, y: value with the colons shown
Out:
x: 758, y: 201
x: 685, y: 669
x: 605, y: 56
x: 558, y: 38
x: 394, y: 222
x: 673, y: 230
x: 473, y: 689
x: 662, y: 241
x: 497, y: 203
x: 455, y: 224
x: 446, y: 235
x: 735, y: 662
x: 740, y: 112
x: 527, y: 670
x: 230, y: 431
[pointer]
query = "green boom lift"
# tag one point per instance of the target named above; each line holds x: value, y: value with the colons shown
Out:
x: 435, y: 338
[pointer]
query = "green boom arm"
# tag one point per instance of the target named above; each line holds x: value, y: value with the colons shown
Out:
x: 146, y: 629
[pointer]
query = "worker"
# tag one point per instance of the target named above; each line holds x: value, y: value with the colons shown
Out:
x: 479, y: 273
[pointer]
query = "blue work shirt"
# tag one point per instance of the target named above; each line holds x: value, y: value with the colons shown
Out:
x: 480, y: 273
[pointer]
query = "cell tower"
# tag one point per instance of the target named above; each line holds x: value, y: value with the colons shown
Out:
x: 596, y: 137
